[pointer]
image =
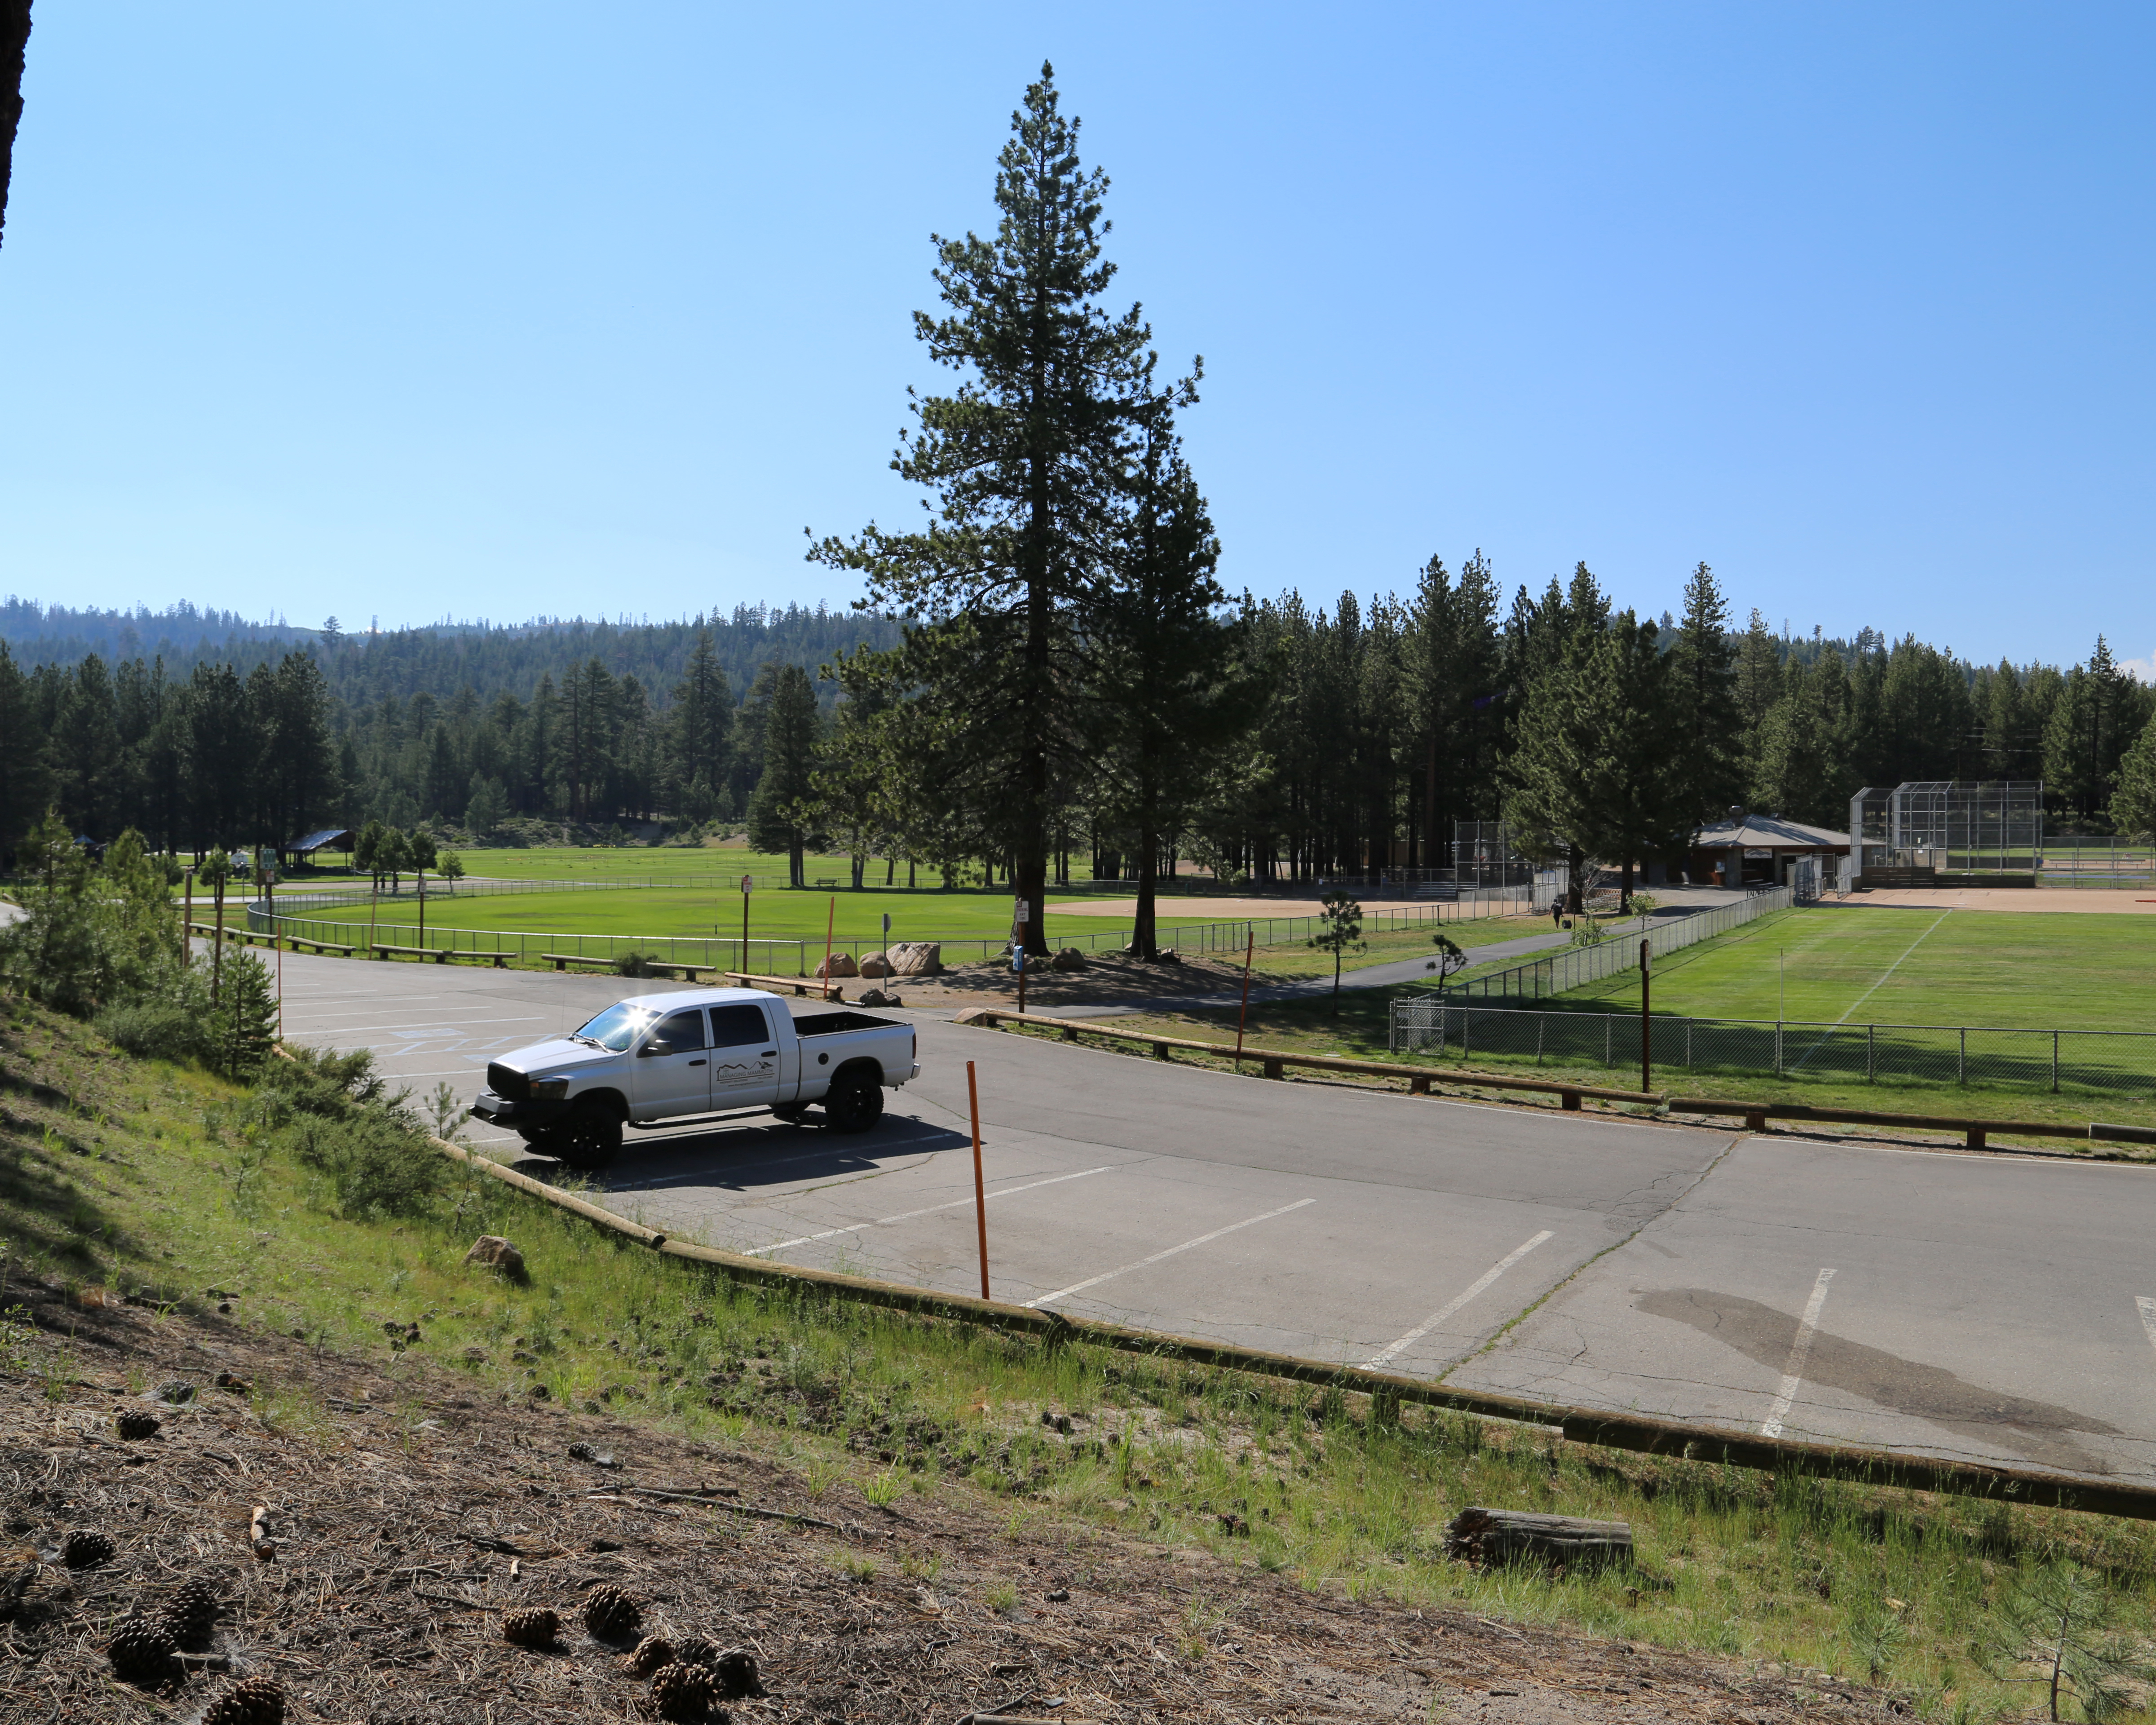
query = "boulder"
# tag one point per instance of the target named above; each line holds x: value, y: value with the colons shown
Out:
x: 838, y: 964
x: 495, y: 1253
x: 874, y: 964
x: 1070, y: 958
x: 880, y: 997
x: 916, y: 958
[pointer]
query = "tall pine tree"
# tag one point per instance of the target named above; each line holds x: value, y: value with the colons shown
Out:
x: 1024, y: 460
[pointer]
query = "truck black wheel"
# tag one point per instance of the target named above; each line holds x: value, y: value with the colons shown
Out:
x: 855, y: 1102
x: 589, y: 1138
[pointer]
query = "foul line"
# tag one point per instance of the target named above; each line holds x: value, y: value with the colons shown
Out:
x: 1077, y: 1287
x: 1891, y: 969
x: 1800, y: 1350
x: 925, y: 1210
x: 1443, y: 1313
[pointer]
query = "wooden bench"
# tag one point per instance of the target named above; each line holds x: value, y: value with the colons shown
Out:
x: 780, y: 984
x: 321, y: 945
x: 442, y: 955
x: 563, y: 961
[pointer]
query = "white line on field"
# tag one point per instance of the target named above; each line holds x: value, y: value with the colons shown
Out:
x: 2148, y: 1316
x: 927, y: 1210
x: 1891, y: 968
x: 1077, y: 1287
x: 1800, y: 1350
x: 1443, y: 1313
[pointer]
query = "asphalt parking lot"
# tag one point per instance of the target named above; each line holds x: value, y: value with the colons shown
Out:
x: 1980, y: 1307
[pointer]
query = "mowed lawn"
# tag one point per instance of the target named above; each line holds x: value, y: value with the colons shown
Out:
x: 2056, y: 970
x: 687, y: 912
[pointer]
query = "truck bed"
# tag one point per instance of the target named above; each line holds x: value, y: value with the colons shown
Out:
x: 829, y: 1024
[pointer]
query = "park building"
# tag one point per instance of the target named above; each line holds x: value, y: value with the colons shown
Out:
x: 1751, y: 850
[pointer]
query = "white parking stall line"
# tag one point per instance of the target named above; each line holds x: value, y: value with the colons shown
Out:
x: 925, y: 1210
x: 2147, y: 1308
x: 422, y: 1025
x: 1479, y: 1285
x: 1800, y: 1350
x: 1078, y: 1287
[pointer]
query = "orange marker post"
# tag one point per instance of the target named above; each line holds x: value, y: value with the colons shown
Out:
x: 980, y: 1188
x: 830, y: 924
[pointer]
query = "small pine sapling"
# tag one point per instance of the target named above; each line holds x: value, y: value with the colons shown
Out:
x: 1340, y: 931
x: 2059, y: 1627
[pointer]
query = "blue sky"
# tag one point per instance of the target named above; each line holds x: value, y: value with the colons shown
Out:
x: 500, y: 310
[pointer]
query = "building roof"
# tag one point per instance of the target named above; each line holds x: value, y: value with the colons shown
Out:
x: 1768, y: 832
x: 316, y: 841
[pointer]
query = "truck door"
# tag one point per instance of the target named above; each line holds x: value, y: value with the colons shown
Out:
x: 745, y: 1070
x: 673, y: 1071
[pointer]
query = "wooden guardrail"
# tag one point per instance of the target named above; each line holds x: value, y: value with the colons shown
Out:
x: 800, y: 985
x: 247, y: 936
x: 1275, y: 1061
x: 563, y: 961
x: 440, y: 955
x: 1609, y: 1429
x: 1755, y: 1115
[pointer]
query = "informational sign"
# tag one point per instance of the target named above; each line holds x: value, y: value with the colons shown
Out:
x: 748, y: 881
x: 1021, y: 914
x: 886, y: 925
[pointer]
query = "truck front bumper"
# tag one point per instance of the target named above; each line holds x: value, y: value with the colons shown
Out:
x: 526, y: 1117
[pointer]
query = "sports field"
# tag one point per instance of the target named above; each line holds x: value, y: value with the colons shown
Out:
x: 1855, y: 964
x: 687, y: 911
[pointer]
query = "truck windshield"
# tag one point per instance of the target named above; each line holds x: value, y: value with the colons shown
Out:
x: 617, y: 1027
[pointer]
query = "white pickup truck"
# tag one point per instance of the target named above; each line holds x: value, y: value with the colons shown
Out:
x: 662, y: 1058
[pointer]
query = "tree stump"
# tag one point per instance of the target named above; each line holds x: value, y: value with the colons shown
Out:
x: 1492, y: 1538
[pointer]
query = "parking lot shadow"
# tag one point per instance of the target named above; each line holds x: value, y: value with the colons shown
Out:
x: 750, y: 1153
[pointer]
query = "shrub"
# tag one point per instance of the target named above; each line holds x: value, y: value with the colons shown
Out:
x: 375, y: 1162
x: 640, y: 964
x: 155, y: 1029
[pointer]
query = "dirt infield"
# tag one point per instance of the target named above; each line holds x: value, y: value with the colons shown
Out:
x: 2024, y: 899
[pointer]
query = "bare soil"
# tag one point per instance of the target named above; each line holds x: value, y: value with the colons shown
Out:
x: 407, y: 1515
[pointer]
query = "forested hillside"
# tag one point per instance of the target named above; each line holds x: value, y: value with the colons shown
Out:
x: 1379, y: 723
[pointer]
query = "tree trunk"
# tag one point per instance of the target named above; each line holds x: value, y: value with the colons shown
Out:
x: 1492, y: 1538
x: 1144, y: 925
x: 1574, y: 897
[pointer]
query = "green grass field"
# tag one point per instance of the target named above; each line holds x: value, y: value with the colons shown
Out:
x: 687, y: 912
x: 1831, y: 963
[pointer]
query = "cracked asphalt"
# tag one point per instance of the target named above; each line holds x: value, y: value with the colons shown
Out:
x: 1984, y: 1308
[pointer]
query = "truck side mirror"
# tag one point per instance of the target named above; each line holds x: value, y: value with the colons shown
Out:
x: 659, y: 1047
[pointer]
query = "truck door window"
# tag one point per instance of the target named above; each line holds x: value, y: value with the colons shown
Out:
x: 682, y: 1032
x: 737, y: 1026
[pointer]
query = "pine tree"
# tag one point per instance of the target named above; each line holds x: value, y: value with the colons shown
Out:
x: 1703, y: 696
x: 781, y: 813
x: 1022, y: 459
x: 1759, y: 684
x: 700, y: 733
x: 24, y: 784
x: 245, y: 1023
x: 2133, y: 803
x: 1168, y: 695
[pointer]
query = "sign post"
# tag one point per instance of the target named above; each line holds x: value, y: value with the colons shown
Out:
x: 747, y: 882
x: 1646, y: 1023
x: 188, y: 924
x: 830, y: 924
x: 1249, y: 957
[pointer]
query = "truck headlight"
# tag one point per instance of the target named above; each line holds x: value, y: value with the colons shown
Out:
x: 549, y: 1090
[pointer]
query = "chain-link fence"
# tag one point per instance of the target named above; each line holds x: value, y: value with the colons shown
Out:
x: 2116, y: 1062
x: 1573, y: 967
x: 773, y: 955
x: 2079, y: 860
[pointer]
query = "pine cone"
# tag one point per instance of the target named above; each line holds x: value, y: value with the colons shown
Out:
x: 142, y: 1654
x: 682, y: 1692
x: 610, y: 1613
x: 255, y: 1701
x: 651, y: 1652
x: 135, y: 1423
x: 84, y: 1549
x: 191, y: 1613
x: 534, y: 1627
x: 734, y: 1672
x: 695, y: 1649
